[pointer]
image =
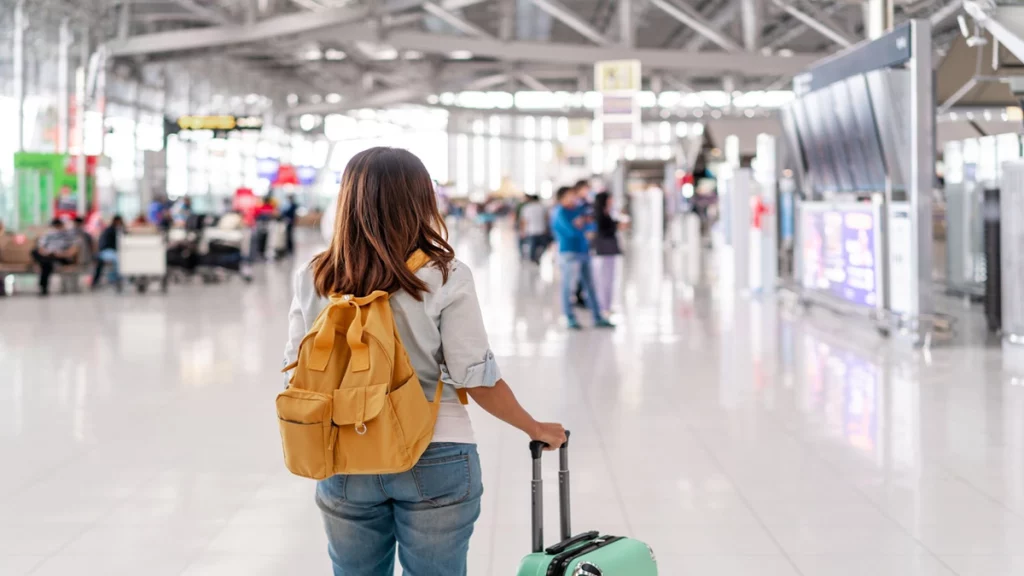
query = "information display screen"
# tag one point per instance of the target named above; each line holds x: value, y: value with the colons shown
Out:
x: 837, y: 251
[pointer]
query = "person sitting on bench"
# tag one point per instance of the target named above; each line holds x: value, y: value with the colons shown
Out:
x: 57, y: 246
x: 108, y: 251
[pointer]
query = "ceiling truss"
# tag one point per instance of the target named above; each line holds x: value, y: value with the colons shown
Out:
x: 382, y: 52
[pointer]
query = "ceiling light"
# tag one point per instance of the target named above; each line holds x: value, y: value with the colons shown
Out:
x: 333, y: 98
x: 333, y: 54
x: 316, y: 98
x: 786, y: 53
x: 413, y: 55
x: 433, y: 99
x: 293, y: 99
x: 307, y: 122
x: 312, y: 54
x: 461, y: 55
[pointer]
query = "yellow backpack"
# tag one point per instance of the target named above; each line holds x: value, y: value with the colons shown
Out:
x: 354, y: 404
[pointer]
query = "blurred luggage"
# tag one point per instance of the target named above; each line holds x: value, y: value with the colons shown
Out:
x: 277, y: 239
x: 586, y: 554
x: 143, y: 258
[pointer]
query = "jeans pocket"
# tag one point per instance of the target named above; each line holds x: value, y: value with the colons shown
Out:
x: 443, y: 481
x: 330, y: 493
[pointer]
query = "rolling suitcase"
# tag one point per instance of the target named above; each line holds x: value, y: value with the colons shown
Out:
x: 586, y: 554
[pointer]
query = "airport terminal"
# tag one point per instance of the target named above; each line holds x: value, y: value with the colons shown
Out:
x: 511, y: 287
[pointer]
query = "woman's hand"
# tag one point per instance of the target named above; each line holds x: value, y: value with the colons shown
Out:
x: 550, y: 433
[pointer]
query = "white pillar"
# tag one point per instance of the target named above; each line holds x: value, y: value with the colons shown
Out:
x: 63, y: 87
x: 878, y: 17
x: 626, y: 36
x: 80, y: 108
x: 18, y: 53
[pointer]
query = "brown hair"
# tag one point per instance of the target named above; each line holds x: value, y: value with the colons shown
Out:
x: 386, y: 211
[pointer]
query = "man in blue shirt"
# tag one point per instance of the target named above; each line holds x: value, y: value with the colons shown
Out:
x: 569, y: 226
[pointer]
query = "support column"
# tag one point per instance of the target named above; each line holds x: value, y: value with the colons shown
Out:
x: 626, y: 35
x: 18, y: 52
x: 453, y: 148
x: 750, y: 12
x: 878, y: 17
x: 80, y: 108
x: 63, y: 87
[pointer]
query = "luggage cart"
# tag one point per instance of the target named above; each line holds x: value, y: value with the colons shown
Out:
x: 142, y: 259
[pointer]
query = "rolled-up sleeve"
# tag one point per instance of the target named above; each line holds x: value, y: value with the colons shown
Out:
x: 467, y: 358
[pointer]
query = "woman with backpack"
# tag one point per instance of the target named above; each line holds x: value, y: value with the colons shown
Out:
x: 389, y: 236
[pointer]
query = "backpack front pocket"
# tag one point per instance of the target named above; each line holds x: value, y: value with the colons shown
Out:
x: 307, y: 435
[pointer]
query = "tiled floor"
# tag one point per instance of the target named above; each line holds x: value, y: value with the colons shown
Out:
x: 737, y: 437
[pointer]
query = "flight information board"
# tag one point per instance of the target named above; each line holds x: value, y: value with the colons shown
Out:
x: 839, y: 251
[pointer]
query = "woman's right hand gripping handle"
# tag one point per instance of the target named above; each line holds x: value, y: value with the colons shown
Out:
x: 551, y: 434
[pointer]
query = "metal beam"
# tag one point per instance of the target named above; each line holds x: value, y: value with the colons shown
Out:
x: 570, y: 19
x: 793, y: 30
x: 626, y: 35
x: 521, y: 51
x: 489, y: 81
x: 721, y: 19
x: 508, y: 20
x: 455, y: 21
x: 818, y: 22
x: 1006, y: 23
x: 698, y: 23
x: 531, y: 82
x: 228, y: 35
x: 946, y: 11
x: 750, y: 20
x: 204, y: 12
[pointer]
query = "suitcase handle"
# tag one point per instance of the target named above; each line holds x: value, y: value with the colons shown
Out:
x: 537, y: 488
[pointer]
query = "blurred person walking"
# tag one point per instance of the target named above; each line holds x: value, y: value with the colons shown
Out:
x: 606, y: 249
x: 107, y: 254
x: 289, y: 215
x: 582, y: 191
x: 533, y: 227
x: 569, y: 226
x: 387, y: 216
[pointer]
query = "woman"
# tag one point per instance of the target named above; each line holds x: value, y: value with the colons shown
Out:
x: 386, y: 211
x: 607, y: 251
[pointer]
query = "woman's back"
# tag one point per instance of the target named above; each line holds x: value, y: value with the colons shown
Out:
x: 443, y: 334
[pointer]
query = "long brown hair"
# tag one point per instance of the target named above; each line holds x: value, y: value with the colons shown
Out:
x: 386, y: 211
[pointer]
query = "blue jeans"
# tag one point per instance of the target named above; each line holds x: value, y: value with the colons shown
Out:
x: 428, y: 512
x: 577, y: 268
x: 106, y: 256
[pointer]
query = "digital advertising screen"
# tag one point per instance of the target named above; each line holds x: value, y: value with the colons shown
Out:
x: 837, y: 249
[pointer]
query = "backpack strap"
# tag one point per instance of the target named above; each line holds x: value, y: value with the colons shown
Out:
x: 417, y: 260
x: 323, y: 342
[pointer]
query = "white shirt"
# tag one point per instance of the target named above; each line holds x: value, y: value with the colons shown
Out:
x: 444, y: 336
x: 535, y: 218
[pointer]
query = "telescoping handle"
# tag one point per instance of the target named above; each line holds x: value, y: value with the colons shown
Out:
x: 537, y: 486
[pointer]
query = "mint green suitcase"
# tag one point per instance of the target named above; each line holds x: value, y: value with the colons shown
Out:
x: 586, y: 554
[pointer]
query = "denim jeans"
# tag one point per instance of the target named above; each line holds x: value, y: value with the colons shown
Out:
x: 428, y: 512
x: 576, y: 268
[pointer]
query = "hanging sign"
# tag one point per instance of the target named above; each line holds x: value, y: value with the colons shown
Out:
x: 222, y: 123
x: 618, y: 81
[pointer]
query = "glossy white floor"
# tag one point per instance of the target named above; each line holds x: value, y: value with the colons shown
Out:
x: 138, y: 437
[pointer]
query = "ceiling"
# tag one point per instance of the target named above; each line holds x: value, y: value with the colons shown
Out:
x: 369, y: 53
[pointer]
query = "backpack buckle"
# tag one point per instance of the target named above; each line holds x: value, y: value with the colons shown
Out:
x: 361, y: 428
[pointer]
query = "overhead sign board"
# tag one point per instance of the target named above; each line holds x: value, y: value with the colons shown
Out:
x: 617, y: 76
x: 221, y: 123
x: 618, y: 81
